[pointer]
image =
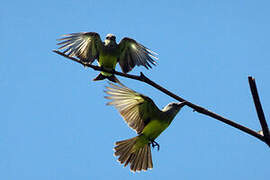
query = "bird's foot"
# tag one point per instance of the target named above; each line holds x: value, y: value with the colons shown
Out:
x: 154, y: 144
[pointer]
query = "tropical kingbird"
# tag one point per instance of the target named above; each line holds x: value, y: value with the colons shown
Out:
x: 88, y: 46
x: 142, y: 115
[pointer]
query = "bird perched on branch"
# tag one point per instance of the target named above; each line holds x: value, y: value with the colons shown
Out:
x: 142, y: 115
x: 87, y: 46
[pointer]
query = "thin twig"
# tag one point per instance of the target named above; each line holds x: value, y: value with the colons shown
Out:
x: 257, y: 103
x: 197, y: 108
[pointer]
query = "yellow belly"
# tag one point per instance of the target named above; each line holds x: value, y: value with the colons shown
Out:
x: 151, y: 131
x: 108, y: 62
x: 154, y: 128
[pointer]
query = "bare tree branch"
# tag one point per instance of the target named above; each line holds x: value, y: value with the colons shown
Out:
x: 195, y: 107
x: 257, y: 103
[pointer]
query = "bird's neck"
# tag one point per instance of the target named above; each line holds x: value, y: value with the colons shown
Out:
x: 170, y: 114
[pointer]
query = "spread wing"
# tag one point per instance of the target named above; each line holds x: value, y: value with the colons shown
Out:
x: 136, y: 109
x: 133, y: 53
x: 84, y: 45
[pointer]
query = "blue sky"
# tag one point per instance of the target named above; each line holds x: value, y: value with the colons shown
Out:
x: 54, y: 122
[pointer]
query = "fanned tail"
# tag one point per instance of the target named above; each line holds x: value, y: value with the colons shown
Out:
x: 139, y: 159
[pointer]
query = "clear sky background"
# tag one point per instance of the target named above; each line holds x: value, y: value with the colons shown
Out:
x: 55, y: 125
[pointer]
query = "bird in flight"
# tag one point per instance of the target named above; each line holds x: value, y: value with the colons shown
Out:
x: 142, y: 115
x: 88, y: 46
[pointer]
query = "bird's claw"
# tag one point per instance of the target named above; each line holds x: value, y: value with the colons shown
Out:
x: 154, y: 144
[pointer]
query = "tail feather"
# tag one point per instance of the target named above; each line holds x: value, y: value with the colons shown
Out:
x: 149, y: 157
x: 124, y: 154
x: 121, y: 148
x: 145, y: 159
x: 140, y: 166
x: 111, y: 78
x: 99, y: 77
x: 131, y: 157
x: 139, y: 159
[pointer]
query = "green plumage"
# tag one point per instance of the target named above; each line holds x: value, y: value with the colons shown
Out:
x: 141, y: 114
x: 108, y: 59
x: 88, y: 46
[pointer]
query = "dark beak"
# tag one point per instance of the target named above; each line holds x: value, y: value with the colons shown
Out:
x: 181, y: 104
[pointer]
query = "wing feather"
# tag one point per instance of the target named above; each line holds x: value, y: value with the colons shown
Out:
x: 135, y: 108
x: 132, y: 53
x: 84, y: 45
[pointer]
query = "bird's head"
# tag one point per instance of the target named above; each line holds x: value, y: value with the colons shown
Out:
x: 110, y: 39
x: 173, y: 108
